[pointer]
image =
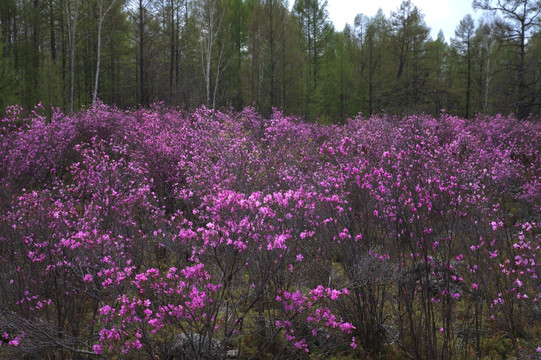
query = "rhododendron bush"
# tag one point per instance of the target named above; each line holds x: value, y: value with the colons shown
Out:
x: 161, y: 234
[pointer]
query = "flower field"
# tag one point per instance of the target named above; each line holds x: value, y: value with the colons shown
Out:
x: 162, y: 234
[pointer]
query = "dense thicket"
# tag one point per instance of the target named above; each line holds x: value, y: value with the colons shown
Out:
x: 234, y: 53
x: 162, y: 234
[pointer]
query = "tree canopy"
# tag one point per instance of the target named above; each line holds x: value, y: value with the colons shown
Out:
x: 236, y: 53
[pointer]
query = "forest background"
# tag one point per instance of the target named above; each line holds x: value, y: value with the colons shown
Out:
x: 236, y: 53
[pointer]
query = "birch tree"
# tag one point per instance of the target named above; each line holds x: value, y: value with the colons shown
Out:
x: 210, y: 15
x: 490, y: 54
x: 102, y: 14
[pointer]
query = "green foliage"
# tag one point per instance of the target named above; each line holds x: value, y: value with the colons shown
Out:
x: 9, y: 88
x: 269, y: 55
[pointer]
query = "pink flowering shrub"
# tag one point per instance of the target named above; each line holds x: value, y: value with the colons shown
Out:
x: 155, y: 233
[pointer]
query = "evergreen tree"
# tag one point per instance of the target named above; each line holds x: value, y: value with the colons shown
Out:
x: 313, y: 18
x: 464, y: 34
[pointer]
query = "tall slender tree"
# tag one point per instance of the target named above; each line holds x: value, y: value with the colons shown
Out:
x: 408, y: 37
x: 141, y: 15
x: 238, y: 13
x: 372, y: 35
x: 213, y: 46
x: 316, y: 28
x: 488, y: 63
x: 72, y: 17
x: 104, y: 9
x: 464, y: 34
x: 273, y: 50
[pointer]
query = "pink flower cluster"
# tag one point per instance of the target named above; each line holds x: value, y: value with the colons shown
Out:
x: 136, y: 232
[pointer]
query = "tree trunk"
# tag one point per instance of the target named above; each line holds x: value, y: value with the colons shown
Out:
x: 172, y: 50
x: 98, y: 57
x: 98, y: 50
x: 142, y: 95
x: 272, y: 59
x: 523, y: 106
x: 468, y: 84
x: 72, y: 18
x: 52, y: 34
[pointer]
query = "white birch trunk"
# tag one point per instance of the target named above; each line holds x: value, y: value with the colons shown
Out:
x: 98, y: 50
x: 210, y: 29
